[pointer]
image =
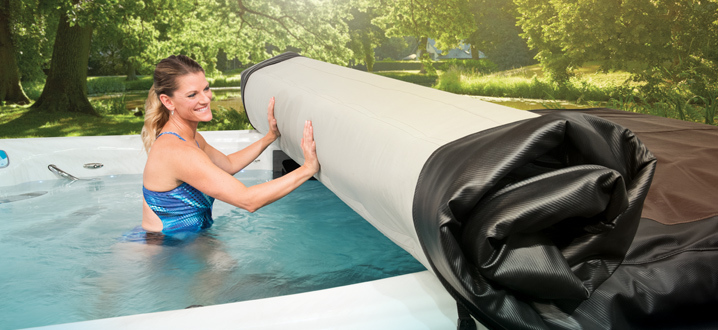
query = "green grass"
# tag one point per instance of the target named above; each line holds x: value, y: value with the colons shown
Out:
x: 589, y: 87
x: 526, y: 82
x: 21, y: 122
x: 114, y: 119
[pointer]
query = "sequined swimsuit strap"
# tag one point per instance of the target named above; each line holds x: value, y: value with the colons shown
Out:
x: 177, y: 135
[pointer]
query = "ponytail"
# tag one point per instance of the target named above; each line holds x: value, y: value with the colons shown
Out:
x: 156, y: 116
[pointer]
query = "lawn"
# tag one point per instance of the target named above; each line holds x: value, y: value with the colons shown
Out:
x: 21, y: 122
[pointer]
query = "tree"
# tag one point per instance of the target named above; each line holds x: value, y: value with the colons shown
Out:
x: 66, y: 85
x: 443, y: 20
x: 396, y: 47
x: 153, y: 30
x: 365, y: 36
x: 120, y: 40
x: 662, y: 42
x: 449, y: 22
x: 33, y: 33
x: 317, y: 28
x: 10, y: 89
x: 497, y: 35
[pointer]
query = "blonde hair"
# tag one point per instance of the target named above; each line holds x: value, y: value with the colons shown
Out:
x: 165, y: 78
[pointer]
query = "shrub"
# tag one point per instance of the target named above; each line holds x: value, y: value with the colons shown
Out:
x: 483, y: 66
x: 411, y: 77
x: 226, y: 119
x: 111, y: 106
x: 104, y: 85
x: 450, y: 81
x: 143, y: 83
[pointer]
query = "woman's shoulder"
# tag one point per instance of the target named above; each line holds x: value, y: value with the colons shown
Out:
x: 168, y: 149
x: 200, y: 140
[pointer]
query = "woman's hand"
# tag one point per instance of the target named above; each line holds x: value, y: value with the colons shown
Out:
x: 309, y: 147
x: 273, y: 129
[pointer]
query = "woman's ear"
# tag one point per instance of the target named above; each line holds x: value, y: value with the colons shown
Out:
x: 167, y: 102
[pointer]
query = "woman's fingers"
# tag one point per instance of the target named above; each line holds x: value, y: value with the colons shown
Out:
x: 309, y: 146
x: 270, y: 108
x: 271, y: 119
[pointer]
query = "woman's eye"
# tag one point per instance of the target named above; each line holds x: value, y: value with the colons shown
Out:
x: 191, y: 95
x: 206, y: 88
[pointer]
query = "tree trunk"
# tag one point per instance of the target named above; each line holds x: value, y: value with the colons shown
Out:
x: 10, y: 89
x: 368, y: 55
x: 421, y: 50
x: 474, y: 52
x: 131, y: 72
x: 66, y: 85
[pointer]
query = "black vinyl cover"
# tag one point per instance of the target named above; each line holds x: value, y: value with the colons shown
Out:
x: 523, y: 222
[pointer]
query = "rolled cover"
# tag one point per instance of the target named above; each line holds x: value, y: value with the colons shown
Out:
x: 523, y: 222
x: 518, y: 215
x: 373, y: 134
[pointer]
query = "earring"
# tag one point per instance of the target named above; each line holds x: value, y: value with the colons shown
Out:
x: 172, y: 113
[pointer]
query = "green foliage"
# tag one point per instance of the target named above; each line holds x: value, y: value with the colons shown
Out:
x: 117, y: 84
x: 451, y: 80
x: 673, y: 42
x: 365, y: 36
x: 673, y: 106
x: 447, y: 21
x: 411, y: 77
x: 225, y: 81
x: 33, y: 88
x: 710, y: 107
x: 114, y: 105
x: 497, y: 35
x: 462, y: 81
x: 484, y: 66
x: 396, y: 48
x: 427, y: 65
x: 143, y: 83
x: 132, y: 36
x: 104, y: 85
x: 226, y: 119
x: 34, y: 25
x: 397, y: 66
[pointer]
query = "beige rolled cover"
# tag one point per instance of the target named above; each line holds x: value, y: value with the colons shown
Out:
x: 373, y: 134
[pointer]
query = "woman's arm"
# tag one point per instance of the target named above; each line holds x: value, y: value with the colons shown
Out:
x: 197, y: 169
x: 235, y: 162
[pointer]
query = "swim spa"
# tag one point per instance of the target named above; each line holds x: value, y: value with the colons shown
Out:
x: 219, y: 267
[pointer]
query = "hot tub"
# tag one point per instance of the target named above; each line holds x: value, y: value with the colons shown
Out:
x: 414, y: 301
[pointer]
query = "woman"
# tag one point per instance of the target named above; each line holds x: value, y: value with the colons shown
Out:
x: 184, y: 174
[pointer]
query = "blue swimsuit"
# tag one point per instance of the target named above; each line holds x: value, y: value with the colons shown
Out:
x: 181, y: 209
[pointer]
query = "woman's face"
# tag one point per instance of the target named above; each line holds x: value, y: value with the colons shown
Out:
x: 191, y: 99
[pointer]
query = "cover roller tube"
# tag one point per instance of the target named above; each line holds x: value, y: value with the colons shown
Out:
x: 373, y: 134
